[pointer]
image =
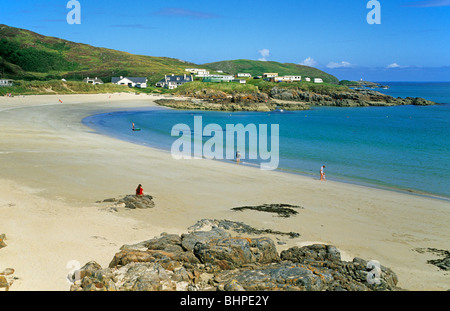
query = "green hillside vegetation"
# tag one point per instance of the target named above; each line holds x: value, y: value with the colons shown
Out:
x: 26, y: 55
x: 320, y: 88
x: 255, y: 86
x: 23, y: 87
x: 226, y: 87
x: 258, y: 68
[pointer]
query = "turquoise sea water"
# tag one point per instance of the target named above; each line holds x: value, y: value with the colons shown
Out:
x: 402, y: 147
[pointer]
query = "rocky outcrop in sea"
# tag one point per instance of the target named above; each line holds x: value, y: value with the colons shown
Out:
x: 286, y: 99
x: 239, y: 102
x: 210, y: 258
x: 354, y: 98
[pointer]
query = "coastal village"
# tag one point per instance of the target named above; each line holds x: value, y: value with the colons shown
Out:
x: 173, y: 81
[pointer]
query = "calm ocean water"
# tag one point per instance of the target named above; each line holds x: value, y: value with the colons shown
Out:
x: 402, y: 148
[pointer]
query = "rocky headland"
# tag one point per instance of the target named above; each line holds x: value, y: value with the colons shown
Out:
x: 280, y: 98
x: 351, y: 98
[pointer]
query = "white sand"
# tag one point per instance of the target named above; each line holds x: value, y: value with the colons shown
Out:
x: 53, y: 169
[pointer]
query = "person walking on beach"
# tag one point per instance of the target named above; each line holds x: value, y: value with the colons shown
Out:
x: 139, y: 190
x: 322, y: 173
x: 238, y: 157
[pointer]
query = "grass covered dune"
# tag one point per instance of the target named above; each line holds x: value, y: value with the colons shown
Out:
x: 58, y: 87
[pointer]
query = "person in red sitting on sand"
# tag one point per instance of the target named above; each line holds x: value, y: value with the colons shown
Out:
x: 139, y: 190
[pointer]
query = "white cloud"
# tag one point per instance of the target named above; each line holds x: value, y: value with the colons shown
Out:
x: 395, y: 65
x: 343, y: 64
x: 428, y: 3
x: 265, y: 53
x: 309, y: 62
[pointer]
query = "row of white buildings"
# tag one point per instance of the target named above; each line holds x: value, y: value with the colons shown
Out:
x: 139, y: 82
x: 273, y: 76
x: 174, y: 81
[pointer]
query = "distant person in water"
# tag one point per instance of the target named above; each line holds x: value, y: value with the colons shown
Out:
x: 139, y: 191
x: 322, y: 173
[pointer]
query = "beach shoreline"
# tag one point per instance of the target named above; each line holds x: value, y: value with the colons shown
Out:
x: 95, y: 122
x: 54, y: 169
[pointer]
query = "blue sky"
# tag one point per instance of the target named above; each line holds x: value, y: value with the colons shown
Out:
x: 412, y: 43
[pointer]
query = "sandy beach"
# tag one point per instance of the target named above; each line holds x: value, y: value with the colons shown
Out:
x: 53, y: 170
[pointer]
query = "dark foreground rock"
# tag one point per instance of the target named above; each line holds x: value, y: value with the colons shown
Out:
x: 215, y: 260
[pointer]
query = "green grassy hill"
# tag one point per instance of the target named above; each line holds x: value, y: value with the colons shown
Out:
x: 26, y: 55
x: 258, y: 68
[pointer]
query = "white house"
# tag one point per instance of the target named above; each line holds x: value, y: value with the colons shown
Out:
x: 287, y: 79
x: 308, y: 79
x: 6, y: 82
x: 93, y: 81
x: 294, y: 78
x: 196, y: 71
x: 281, y: 79
x: 139, y: 82
x: 173, y: 81
x: 244, y: 75
x: 202, y: 74
x: 241, y: 81
x: 318, y: 80
x: 270, y: 75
